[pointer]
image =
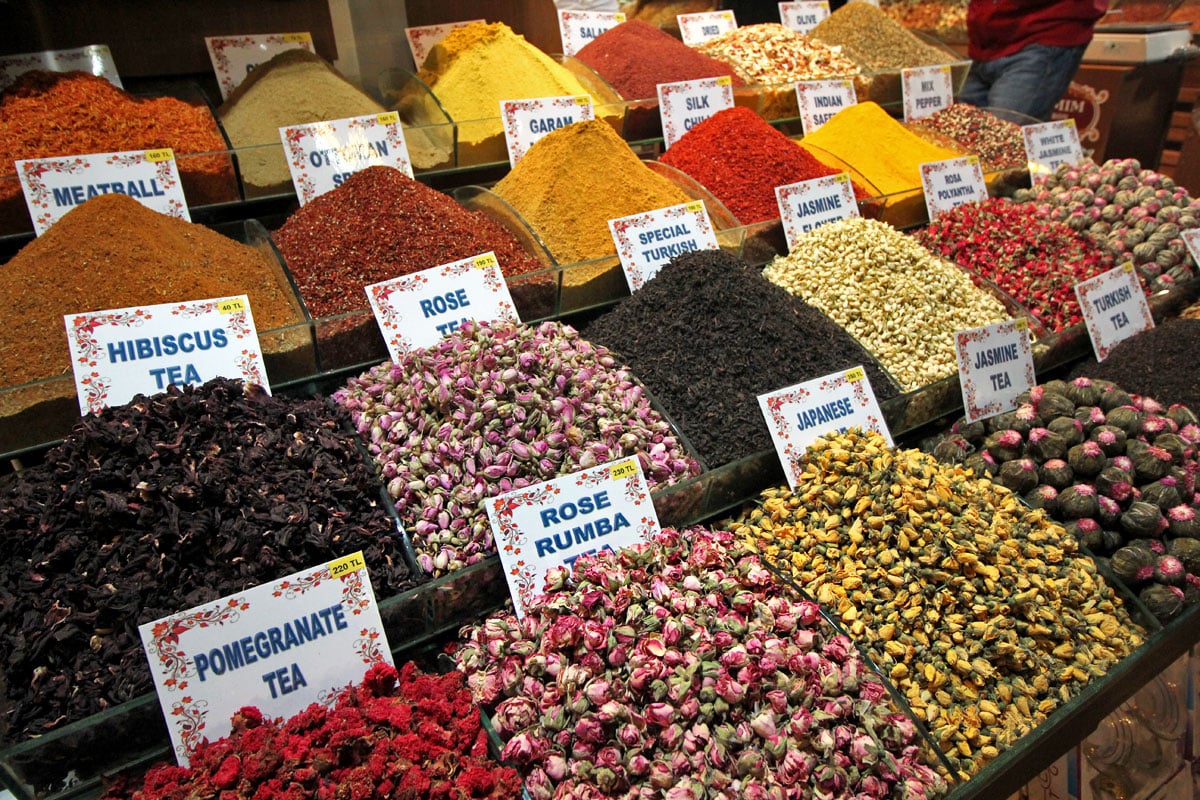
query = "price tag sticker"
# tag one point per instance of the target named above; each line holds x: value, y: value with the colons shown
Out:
x: 951, y: 183
x: 820, y: 100
x: 123, y: 352
x: 54, y: 186
x: 1049, y: 144
x: 807, y: 205
x: 235, y: 57
x: 646, y: 242
x: 95, y: 59
x: 696, y: 29
x: 527, y: 121
x: 549, y: 525
x: 322, y: 155
x: 802, y: 17
x: 926, y: 90
x: 685, y: 104
x: 417, y: 310
x: 995, y: 365
x: 422, y: 38
x: 280, y: 646
x: 799, y: 415
x: 1114, y: 308
x: 578, y: 28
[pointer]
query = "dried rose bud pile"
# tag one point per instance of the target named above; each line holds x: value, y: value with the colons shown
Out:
x: 977, y: 607
x: 496, y: 407
x: 1118, y: 470
x: 403, y: 734
x: 683, y: 670
x: 1136, y: 213
x: 165, y: 503
x: 1034, y: 259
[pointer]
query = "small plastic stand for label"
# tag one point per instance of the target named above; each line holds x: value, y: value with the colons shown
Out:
x: 647, y: 241
x: 819, y: 101
x: 235, y: 57
x: 95, y: 59
x: 1114, y: 308
x: 322, y: 155
x: 802, y: 17
x: 696, y: 29
x: 423, y: 38
x: 526, y: 121
x: 807, y: 205
x: 995, y: 365
x: 685, y: 104
x: 951, y: 183
x: 1049, y: 144
x: 578, y: 28
x: 926, y: 90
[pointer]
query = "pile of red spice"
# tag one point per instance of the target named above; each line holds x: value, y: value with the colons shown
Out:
x: 407, y: 735
x: 740, y: 158
x: 1036, y: 260
x: 48, y: 114
x: 378, y: 225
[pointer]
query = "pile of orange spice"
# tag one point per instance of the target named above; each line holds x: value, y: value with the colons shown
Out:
x: 49, y: 114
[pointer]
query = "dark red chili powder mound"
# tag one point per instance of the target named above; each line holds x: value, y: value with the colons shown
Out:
x: 406, y: 735
x: 634, y: 57
x: 378, y: 225
x: 1158, y: 363
x: 740, y: 158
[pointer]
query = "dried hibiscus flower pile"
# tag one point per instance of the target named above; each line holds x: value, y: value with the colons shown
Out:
x: 682, y: 670
x: 405, y: 734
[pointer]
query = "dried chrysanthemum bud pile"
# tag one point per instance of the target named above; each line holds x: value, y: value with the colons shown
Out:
x: 977, y: 607
x: 683, y: 669
x: 496, y: 407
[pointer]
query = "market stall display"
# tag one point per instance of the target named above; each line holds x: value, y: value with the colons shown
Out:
x: 660, y: 669
x: 900, y: 300
x: 414, y: 735
x: 740, y: 158
x: 982, y: 611
x: 1035, y: 259
x: 1117, y: 469
x: 48, y: 114
x: 496, y: 407
x: 763, y: 337
x: 160, y: 505
x: 1137, y: 214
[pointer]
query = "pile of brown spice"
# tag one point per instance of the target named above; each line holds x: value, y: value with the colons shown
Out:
x: 874, y: 40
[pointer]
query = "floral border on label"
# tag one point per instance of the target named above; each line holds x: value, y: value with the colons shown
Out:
x: 634, y: 272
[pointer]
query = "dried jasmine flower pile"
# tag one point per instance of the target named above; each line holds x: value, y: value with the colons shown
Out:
x: 495, y: 407
x: 1137, y: 214
x: 154, y: 507
x: 402, y: 734
x: 977, y: 607
x: 1118, y: 470
x: 683, y: 669
x: 756, y: 338
x: 901, y: 301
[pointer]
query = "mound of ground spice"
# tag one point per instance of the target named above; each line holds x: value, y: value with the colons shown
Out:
x: 740, y: 158
x: 380, y: 224
x: 48, y: 114
x: 113, y: 252
x: 874, y: 40
x: 574, y: 180
x: 1158, y: 363
x: 708, y: 334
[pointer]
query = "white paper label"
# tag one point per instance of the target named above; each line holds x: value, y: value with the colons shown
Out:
x: 951, y: 183
x: 1114, y: 308
x: 802, y: 17
x: 526, y: 121
x: 647, y: 241
x: 799, y: 415
x: 577, y: 28
x: 54, y: 186
x: 95, y: 59
x: 422, y: 38
x: 820, y: 100
x: 1049, y: 144
x: 322, y: 155
x: 697, y: 29
x: 927, y: 90
x: 143, y: 349
x: 1191, y: 240
x: 995, y: 365
x: 235, y: 57
x: 417, y: 310
x: 551, y: 524
x: 809, y: 204
x: 281, y: 647
x: 685, y: 104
